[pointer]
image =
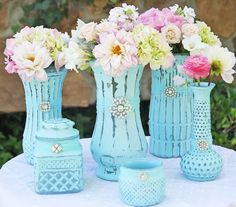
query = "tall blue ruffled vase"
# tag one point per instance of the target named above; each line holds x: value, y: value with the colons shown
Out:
x: 201, y: 163
x: 118, y: 135
x: 170, y: 113
x: 43, y: 102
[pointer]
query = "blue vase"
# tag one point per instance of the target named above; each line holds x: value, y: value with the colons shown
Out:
x: 43, y: 101
x: 142, y: 183
x: 201, y: 163
x: 58, y: 162
x: 118, y: 135
x: 170, y: 113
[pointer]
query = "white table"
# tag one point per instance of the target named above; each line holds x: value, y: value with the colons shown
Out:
x: 16, y: 186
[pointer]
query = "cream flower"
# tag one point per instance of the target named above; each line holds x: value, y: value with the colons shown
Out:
x: 86, y: 31
x: 152, y: 47
x: 189, y: 29
x: 222, y: 62
x: 32, y: 59
x: 172, y: 33
x: 75, y: 58
x: 193, y: 43
x: 207, y: 35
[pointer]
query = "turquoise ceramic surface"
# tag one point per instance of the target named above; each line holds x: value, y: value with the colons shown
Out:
x: 118, y: 135
x: 201, y: 163
x: 43, y: 101
x: 170, y: 113
x: 142, y: 183
x: 58, y: 166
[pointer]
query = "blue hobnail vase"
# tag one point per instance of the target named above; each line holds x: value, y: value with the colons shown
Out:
x: 58, y: 162
x: 118, y: 135
x: 142, y: 183
x: 43, y: 102
x: 201, y: 163
x: 170, y: 113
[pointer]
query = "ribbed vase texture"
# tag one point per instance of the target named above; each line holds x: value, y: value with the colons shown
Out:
x: 170, y: 115
x: 118, y: 135
x: 43, y: 102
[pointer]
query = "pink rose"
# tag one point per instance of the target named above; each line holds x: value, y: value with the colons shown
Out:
x: 197, y: 66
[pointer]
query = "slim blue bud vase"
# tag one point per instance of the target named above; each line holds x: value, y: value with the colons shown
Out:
x: 118, y: 135
x: 170, y: 115
x: 201, y: 163
x: 43, y: 102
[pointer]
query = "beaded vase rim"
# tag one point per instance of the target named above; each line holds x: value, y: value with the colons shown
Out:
x: 142, y: 165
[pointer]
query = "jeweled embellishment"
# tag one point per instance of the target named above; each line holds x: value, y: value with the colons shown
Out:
x: 45, y: 106
x: 170, y: 91
x: 143, y: 176
x: 56, y: 148
x: 202, y: 144
x: 120, y: 107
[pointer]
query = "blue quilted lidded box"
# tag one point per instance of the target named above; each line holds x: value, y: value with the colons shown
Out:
x: 58, y: 164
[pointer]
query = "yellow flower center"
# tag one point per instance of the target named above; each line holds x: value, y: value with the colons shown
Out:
x: 116, y: 50
x: 216, y: 67
x: 30, y: 57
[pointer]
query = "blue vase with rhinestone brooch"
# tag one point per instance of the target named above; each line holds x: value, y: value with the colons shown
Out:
x: 170, y: 113
x: 118, y: 135
x: 43, y: 102
x: 201, y: 163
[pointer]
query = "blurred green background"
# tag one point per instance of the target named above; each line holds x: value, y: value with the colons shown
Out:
x: 51, y: 13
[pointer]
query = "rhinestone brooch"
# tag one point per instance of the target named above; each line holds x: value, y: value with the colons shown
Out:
x: 202, y: 144
x: 143, y: 176
x: 45, y: 106
x: 120, y: 107
x: 56, y: 148
x: 170, y: 91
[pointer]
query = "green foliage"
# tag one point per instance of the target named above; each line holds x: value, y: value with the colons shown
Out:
x: 11, y: 129
x: 223, y: 103
x: 43, y: 12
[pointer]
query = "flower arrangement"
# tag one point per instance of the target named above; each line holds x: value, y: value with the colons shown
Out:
x: 187, y: 35
x: 34, y: 49
x: 210, y: 62
x: 118, y: 43
x: 123, y: 40
x: 180, y: 27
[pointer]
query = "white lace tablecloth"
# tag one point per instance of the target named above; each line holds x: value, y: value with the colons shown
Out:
x: 16, y: 186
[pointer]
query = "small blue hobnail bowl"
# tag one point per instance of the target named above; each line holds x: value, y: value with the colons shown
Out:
x: 142, y: 183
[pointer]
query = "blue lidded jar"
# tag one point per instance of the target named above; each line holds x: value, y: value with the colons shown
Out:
x: 58, y: 164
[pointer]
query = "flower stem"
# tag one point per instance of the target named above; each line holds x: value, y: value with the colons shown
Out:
x: 209, y: 79
x: 198, y: 81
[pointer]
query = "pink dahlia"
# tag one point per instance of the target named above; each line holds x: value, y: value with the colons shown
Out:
x: 116, y: 52
x: 197, y: 66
